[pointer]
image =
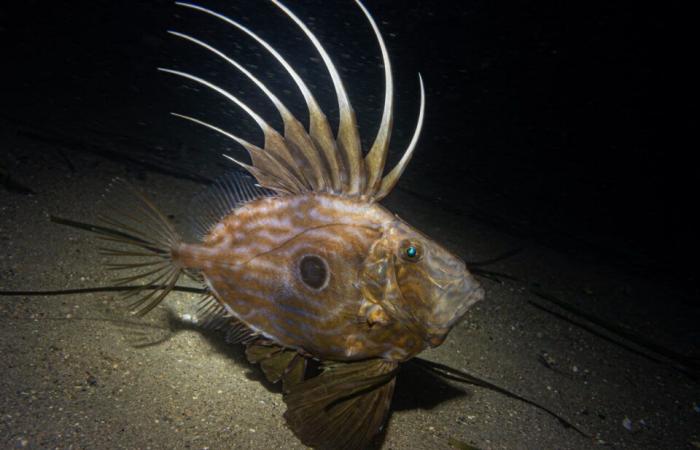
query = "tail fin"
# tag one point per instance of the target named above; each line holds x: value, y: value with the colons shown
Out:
x: 140, y: 243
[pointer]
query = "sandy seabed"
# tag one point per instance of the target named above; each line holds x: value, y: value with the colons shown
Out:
x: 73, y: 378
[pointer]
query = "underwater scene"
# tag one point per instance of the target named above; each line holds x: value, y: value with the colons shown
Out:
x: 343, y: 225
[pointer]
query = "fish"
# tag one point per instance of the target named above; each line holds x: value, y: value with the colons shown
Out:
x: 299, y: 260
x: 330, y: 293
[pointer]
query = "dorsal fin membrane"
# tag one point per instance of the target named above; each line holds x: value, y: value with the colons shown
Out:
x: 269, y: 171
x: 348, y: 138
x: 274, y: 143
x: 319, y: 128
x: 302, y: 161
x: 301, y: 156
x: 219, y: 199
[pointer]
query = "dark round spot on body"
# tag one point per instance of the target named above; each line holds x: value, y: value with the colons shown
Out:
x: 313, y: 271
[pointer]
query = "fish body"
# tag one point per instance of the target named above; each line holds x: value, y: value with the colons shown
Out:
x: 307, y: 272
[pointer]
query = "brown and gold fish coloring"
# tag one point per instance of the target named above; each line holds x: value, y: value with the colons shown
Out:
x: 299, y: 259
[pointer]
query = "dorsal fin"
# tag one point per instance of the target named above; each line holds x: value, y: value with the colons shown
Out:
x: 225, y: 194
x: 299, y: 153
x: 348, y: 138
x: 301, y: 160
x: 319, y: 128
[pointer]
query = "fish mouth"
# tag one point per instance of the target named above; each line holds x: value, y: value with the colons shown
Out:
x: 452, y: 305
x: 460, y: 296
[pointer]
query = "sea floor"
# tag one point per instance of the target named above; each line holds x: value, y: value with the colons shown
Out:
x: 74, y: 372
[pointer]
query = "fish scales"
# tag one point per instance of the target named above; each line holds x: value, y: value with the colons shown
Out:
x: 248, y: 261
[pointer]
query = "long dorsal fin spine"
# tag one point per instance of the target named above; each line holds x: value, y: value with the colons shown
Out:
x: 274, y: 142
x: 376, y: 157
x: 390, y: 180
x: 319, y: 128
x: 285, y: 154
x: 314, y: 160
x: 283, y: 176
x: 259, y: 120
x: 272, y: 183
x: 348, y: 138
x: 303, y: 157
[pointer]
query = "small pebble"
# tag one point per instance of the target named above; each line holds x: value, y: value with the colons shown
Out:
x: 627, y: 423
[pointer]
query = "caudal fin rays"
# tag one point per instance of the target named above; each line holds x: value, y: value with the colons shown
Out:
x: 139, y: 243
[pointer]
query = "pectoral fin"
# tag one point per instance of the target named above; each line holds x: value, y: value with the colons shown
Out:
x: 344, y: 407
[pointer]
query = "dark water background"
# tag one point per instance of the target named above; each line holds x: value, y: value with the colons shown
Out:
x: 566, y: 123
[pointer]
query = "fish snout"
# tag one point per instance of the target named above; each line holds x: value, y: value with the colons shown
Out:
x: 458, y: 295
x: 463, y: 295
x: 451, y: 267
x: 472, y: 288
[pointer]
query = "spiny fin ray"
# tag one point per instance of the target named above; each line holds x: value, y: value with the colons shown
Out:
x: 218, y: 200
x: 301, y: 155
x: 348, y: 138
x: 390, y: 180
x: 319, y: 128
x: 300, y: 161
x: 376, y: 158
x: 268, y: 170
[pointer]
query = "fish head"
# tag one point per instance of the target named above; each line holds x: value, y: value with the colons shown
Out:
x: 418, y: 282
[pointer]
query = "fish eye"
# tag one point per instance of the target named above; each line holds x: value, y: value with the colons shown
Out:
x: 411, y: 250
x: 313, y: 271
